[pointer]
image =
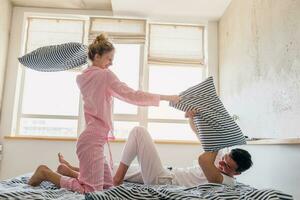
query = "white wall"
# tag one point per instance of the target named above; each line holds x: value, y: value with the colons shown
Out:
x: 5, y: 27
x: 22, y: 156
x: 212, y: 52
x: 259, y: 65
x: 5, y: 20
x: 275, y: 167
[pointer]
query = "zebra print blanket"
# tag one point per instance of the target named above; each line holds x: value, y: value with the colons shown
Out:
x: 205, y: 191
x: 17, y: 188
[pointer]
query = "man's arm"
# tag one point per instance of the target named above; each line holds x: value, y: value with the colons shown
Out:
x: 207, y: 162
x: 207, y: 159
x: 192, y: 125
x: 190, y: 115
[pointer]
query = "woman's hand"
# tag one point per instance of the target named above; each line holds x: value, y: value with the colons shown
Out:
x: 172, y: 98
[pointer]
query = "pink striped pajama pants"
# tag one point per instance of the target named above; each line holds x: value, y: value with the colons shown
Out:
x: 94, y: 171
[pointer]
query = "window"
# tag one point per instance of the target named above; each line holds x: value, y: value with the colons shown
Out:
x: 175, y: 62
x: 172, y: 62
x: 171, y: 79
x: 128, y: 71
x: 126, y: 116
x: 48, y: 107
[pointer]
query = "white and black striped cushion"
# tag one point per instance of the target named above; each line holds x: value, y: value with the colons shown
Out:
x: 216, y: 129
x: 56, y: 57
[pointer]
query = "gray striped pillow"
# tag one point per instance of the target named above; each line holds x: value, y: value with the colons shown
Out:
x: 56, y: 57
x: 216, y: 128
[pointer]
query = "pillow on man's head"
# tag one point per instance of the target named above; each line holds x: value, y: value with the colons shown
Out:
x: 56, y: 57
x: 215, y: 128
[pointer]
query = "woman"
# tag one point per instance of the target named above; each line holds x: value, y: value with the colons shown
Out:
x: 98, y: 85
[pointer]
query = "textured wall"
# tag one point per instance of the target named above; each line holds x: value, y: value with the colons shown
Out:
x: 259, y: 65
x: 5, y: 19
x: 259, y: 60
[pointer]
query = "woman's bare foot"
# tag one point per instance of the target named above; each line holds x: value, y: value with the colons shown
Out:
x: 62, y: 160
x: 38, y: 176
x: 63, y: 170
x: 66, y: 171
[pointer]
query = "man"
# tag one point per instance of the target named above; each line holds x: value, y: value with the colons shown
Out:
x: 211, y: 167
x: 230, y: 165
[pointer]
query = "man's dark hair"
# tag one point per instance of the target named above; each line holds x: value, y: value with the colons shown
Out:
x: 242, y: 159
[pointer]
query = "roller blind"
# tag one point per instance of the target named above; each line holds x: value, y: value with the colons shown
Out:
x: 176, y: 44
x: 43, y: 32
x: 119, y: 30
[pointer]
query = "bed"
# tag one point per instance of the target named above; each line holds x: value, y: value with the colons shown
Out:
x: 16, y: 188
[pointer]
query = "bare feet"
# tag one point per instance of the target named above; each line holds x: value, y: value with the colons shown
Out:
x: 62, y: 160
x: 66, y: 171
x: 38, y: 176
x: 63, y: 170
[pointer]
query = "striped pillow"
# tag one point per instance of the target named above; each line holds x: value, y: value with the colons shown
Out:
x: 216, y: 129
x: 56, y: 57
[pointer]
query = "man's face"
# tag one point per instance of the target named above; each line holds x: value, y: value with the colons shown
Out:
x: 228, y: 166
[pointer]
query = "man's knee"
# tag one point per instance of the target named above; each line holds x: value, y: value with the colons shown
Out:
x: 138, y: 131
x: 43, y: 168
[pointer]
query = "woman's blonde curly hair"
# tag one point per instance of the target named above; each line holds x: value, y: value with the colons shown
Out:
x: 100, y: 46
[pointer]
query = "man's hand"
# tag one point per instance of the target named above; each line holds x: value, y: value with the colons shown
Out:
x: 190, y: 114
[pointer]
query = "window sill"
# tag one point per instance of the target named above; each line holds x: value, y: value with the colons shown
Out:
x: 40, y: 138
x: 290, y: 141
x: 72, y: 139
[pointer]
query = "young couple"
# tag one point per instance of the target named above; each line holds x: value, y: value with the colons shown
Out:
x: 213, y: 166
x: 98, y: 85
